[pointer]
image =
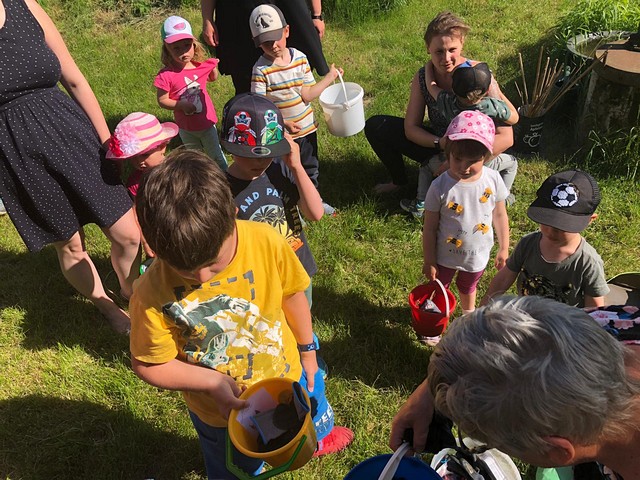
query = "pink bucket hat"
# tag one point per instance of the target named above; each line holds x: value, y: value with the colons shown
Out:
x: 138, y: 133
x: 472, y: 125
x: 175, y: 29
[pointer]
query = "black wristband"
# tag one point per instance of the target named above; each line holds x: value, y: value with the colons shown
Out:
x: 317, y: 17
x: 307, y: 347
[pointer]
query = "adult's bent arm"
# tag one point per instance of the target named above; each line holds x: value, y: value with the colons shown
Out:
x: 209, y: 32
x: 72, y: 78
x: 416, y: 414
x: 414, y: 118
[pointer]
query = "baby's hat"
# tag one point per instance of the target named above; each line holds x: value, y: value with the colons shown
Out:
x: 175, y: 29
x: 253, y: 127
x: 138, y: 133
x: 566, y: 201
x: 472, y: 125
x: 469, y: 79
x: 267, y: 23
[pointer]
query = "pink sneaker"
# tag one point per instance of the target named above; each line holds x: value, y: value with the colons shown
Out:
x: 338, y: 439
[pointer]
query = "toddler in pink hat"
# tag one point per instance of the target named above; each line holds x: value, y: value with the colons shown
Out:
x: 463, y: 207
x: 143, y: 140
x: 182, y: 88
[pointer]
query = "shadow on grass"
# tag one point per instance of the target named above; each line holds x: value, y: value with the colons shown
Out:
x: 52, y: 312
x: 55, y: 439
x: 351, y: 179
x: 373, y: 344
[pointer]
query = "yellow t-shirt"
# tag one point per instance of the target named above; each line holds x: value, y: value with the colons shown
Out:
x: 234, y: 323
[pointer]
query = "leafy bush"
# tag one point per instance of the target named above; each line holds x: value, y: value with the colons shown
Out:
x: 356, y: 11
x: 139, y: 8
x: 589, y: 16
x: 616, y: 154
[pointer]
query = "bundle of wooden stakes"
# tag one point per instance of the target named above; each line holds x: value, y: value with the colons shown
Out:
x: 545, y: 94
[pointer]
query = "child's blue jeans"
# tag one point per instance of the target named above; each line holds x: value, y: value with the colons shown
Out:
x: 213, y: 439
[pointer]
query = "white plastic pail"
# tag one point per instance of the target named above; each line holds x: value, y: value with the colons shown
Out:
x: 343, y: 108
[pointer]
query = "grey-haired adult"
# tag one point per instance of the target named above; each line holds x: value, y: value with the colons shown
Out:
x: 537, y: 379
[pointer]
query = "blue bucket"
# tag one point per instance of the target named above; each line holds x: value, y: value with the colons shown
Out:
x: 410, y: 468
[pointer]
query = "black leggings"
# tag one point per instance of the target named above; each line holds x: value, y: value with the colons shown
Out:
x: 386, y: 136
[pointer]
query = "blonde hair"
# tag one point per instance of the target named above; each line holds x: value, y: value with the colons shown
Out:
x: 199, y: 54
x: 445, y: 23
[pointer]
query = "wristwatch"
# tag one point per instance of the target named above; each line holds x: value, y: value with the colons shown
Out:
x: 436, y: 142
x: 307, y: 347
x: 317, y: 17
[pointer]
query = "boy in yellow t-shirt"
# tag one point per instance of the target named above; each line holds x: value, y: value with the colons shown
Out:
x: 225, y: 294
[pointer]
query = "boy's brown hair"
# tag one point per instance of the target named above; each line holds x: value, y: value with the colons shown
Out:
x: 185, y: 209
x: 445, y: 23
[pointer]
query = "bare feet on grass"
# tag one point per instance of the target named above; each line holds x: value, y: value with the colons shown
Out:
x: 118, y: 319
x: 383, y: 188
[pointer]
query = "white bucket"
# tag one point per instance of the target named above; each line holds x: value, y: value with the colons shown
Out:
x: 343, y: 108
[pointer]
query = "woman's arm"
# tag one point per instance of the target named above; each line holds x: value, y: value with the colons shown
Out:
x: 72, y: 79
x: 413, y: 129
x: 209, y: 32
x: 316, y: 10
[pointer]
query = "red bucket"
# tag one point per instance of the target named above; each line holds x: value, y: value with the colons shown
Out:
x: 431, y: 324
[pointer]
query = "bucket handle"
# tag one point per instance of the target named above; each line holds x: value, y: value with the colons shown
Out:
x: 392, y: 465
x: 344, y: 90
x: 446, y: 296
x: 241, y: 474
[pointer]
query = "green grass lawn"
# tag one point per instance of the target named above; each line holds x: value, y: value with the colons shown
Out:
x: 69, y: 405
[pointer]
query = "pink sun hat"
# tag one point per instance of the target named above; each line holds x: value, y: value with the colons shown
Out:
x: 472, y: 125
x: 175, y: 29
x: 138, y: 133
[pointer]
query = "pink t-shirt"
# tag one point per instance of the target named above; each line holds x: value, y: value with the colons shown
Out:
x: 133, y: 182
x: 190, y: 84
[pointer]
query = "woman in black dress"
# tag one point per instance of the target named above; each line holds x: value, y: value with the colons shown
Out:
x: 53, y: 176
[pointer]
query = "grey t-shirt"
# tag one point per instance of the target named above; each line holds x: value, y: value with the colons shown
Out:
x: 465, y: 229
x: 568, y: 281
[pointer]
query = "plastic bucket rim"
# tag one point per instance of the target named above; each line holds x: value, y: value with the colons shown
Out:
x: 383, y: 459
x: 348, y: 103
x: 271, y: 453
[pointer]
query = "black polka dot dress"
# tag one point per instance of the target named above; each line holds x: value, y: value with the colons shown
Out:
x: 53, y: 176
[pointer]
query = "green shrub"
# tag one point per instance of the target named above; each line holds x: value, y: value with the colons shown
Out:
x: 589, y: 16
x: 616, y: 154
x: 351, y: 12
x: 139, y: 8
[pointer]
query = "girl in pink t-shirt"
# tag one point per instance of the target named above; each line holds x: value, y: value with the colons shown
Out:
x: 182, y: 87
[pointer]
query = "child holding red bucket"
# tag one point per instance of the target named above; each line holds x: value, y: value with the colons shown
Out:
x: 462, y: 206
